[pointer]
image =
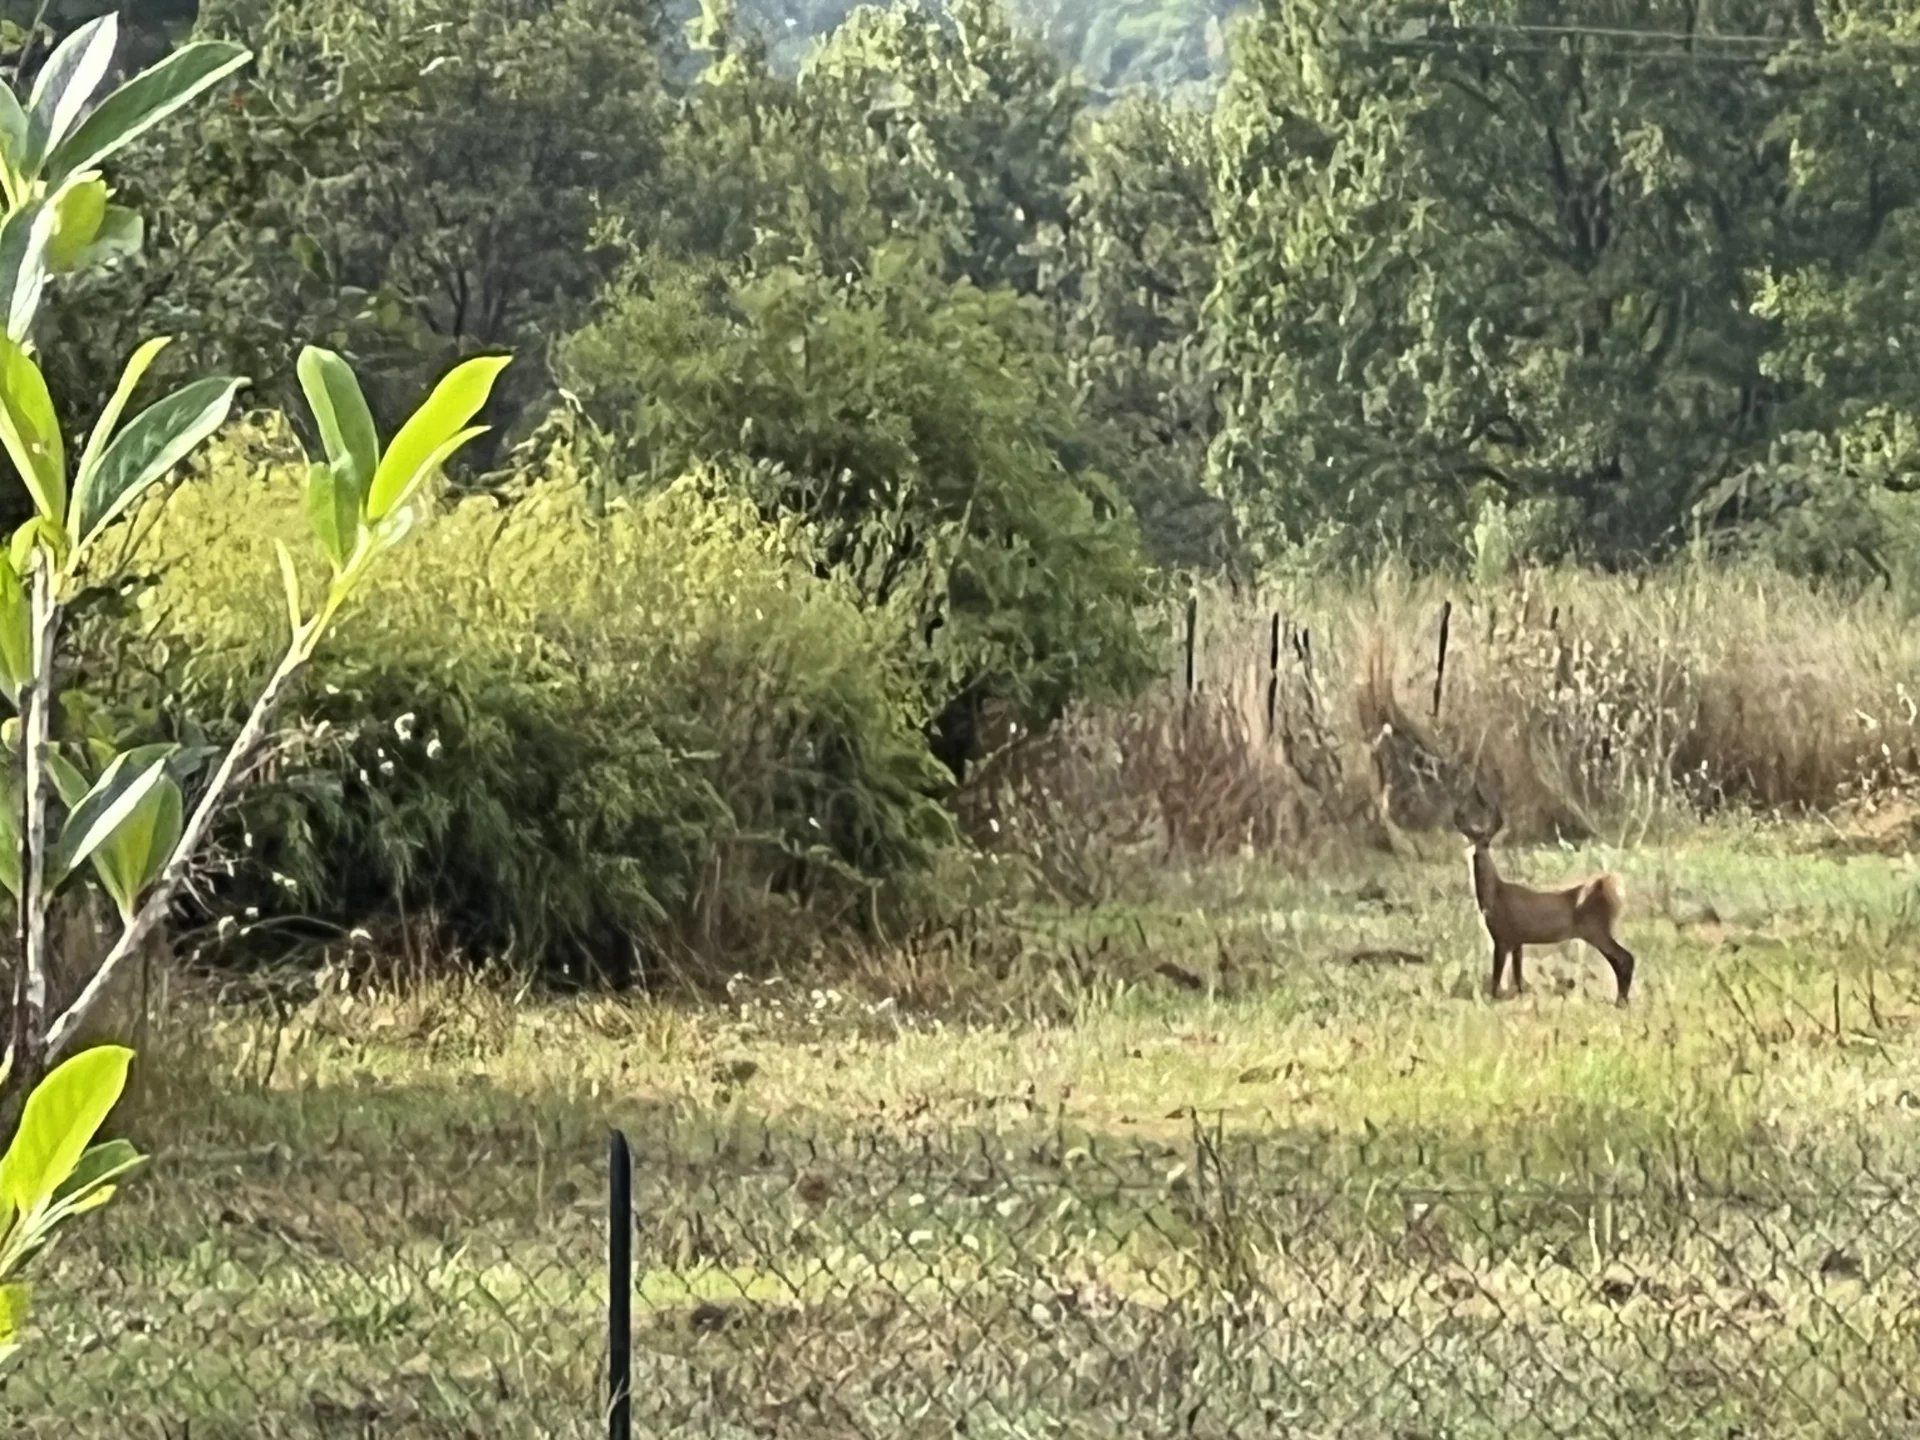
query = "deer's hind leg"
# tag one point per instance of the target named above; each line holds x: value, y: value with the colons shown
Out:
x: 1621, y: 959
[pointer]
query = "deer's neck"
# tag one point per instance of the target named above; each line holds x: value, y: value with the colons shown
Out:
x: 1485, y: 878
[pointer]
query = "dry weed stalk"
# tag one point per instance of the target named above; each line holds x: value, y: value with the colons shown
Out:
x: 1581, y: 700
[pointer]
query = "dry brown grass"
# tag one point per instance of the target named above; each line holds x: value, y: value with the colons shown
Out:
x: 1326, y: 715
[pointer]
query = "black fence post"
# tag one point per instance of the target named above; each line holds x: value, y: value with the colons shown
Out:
x: 619, y: 1289
x: 1193, y: 635
x: 1273, y: 676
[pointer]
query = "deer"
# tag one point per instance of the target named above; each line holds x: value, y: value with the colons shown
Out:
x: 1517, y: 916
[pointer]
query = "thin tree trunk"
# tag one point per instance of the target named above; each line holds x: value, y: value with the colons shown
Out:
x: 29, y: 1056
x: 154, y: 909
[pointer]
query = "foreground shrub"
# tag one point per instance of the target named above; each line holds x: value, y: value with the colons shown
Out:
x: 586, y: 738
x: 52, y: 1170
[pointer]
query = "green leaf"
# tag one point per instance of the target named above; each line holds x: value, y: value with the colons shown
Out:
x: 433, y: 463
x: 423, y: 442
x: 155, y: 440
x: 289, y: 582
x: 79, y: 210
x: 68, y: 782
x: 25, y: 540
x: 13, y: 128
x: 130, y: 859
x: 99, y: 1166
x: 13, y: 1316
x: 92, y: 1183
x: 340, y: 411
x: 64, y: 86
x: 59, y: 1120
x: 10, y: 833
x: 16, y: 632
x: 23, y: 267
x: 144, y: 102
x: 30, y: 431
x: 122, y: 232
x: 333, y: 509
x: 112, y: 803
x: 137, y: 368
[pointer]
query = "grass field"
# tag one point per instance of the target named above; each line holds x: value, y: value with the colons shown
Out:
x: 1212, y: 1161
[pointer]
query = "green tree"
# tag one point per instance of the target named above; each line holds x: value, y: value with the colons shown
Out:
x: 924, y: 428
x: 409, y: 180
x: 1842, y: 298
x: 904, y: 122
x: 1162, y: 48
x: 1476, y: 260
x: 1138, y: 263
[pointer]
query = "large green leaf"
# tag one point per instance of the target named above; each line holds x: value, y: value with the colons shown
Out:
x: 68, y: 783
x: 10, y: 833
x: 16, y: 632
x: 432, y: 463
x: 79, y: 210
x: 144, y: 102
x: 30, y: 431
x: 137, y: 367
x: 333, y: 510
x: 91, y: 1184
x: 59, y: 1120
x: 115, y: 797
x: 155, y: 440
x: 24, y: 236
x: 13, y: 128
x: 412, y: 455
x: 340, y: 411
x: 132, y: 856
x: 289, y: 582
x: 65, y: 84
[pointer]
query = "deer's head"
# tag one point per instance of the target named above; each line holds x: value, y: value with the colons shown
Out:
x: 1477, y: 816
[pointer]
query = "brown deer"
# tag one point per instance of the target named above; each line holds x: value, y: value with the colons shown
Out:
x: 1517, y: 916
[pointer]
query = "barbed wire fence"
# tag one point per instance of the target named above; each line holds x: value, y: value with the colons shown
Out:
x: 997, y: 1285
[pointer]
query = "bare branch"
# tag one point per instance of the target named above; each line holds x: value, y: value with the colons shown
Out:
x: 154, y: 909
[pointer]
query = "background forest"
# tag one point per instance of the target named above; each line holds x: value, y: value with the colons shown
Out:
x: 890, y: 374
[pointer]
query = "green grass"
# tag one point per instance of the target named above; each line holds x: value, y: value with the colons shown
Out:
x: 1017, y: 1173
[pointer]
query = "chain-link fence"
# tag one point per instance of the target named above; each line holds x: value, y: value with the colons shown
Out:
x: 988, y: 1285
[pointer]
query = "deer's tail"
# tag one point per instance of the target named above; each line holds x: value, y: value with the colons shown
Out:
x: 1611, y: 894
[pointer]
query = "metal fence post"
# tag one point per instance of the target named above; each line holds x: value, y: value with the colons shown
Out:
x: 619, y: 1289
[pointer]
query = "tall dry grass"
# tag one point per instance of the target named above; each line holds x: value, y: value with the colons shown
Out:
x: 1323, y: 714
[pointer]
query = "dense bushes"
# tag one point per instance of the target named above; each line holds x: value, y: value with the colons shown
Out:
x: 923, y: 430
x: 560, y: 734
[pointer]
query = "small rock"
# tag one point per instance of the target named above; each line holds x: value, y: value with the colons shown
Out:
x: 1687, y: 908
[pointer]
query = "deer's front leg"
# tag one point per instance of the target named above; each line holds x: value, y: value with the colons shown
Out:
x: 1519, y: 978
x: 1499, y: 965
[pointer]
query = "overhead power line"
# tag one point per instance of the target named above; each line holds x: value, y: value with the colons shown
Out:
x: 1678, y: 46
